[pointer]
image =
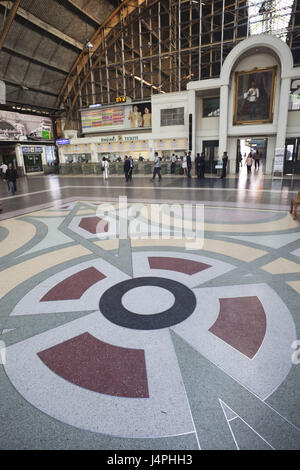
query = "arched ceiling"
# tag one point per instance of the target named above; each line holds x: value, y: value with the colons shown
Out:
x: 141, y: 47
x: 43, y: 42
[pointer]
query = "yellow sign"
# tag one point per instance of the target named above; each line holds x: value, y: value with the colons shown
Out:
x: 121, y: 99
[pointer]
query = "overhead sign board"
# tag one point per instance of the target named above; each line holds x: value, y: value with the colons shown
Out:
x: 20, y: 127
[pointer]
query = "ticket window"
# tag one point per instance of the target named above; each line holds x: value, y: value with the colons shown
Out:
x: 33, y: 162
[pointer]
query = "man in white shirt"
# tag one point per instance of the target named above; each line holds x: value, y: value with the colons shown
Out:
x: 173, y: 163
x: 3, y: 169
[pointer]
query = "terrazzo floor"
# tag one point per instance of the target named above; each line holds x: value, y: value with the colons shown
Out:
x: 149, y: 342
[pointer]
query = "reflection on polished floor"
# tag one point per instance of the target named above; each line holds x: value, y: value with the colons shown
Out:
x: 149, y: 342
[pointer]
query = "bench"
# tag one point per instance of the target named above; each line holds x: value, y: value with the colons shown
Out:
x: 295, y: 202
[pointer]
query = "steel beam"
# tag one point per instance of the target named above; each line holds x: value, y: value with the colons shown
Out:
x: 9, y: 21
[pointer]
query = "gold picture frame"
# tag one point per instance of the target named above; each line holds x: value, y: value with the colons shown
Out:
x: 254, y: 92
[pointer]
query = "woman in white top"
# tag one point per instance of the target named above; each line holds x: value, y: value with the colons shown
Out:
x: 105, y: 168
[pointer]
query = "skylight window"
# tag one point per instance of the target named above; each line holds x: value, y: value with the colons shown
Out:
x: 270, y: 16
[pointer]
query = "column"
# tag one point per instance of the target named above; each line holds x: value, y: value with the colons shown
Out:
x: 223, y: 121
x: 283, y: 109
x: 283, y: 112
x: 192, y: 111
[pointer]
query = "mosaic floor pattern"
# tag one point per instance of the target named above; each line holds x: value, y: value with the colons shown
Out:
x: 143, y: 344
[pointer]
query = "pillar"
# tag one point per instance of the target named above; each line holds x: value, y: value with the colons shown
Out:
x: 223, y: 121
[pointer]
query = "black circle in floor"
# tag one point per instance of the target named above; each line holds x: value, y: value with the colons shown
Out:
x: 112, y: 308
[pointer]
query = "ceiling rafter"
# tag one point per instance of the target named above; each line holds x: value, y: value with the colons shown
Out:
x: 9, y: 21
x: 34, y: 60
x: 44, y: 26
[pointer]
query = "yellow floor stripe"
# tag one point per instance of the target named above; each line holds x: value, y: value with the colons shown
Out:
x: 20, y: 233
x: 233, y: 250
x: 15, y: 275
x: 295, y: 285
x: 282, y: 266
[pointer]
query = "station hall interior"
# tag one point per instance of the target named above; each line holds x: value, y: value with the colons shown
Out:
x: 150, y: 225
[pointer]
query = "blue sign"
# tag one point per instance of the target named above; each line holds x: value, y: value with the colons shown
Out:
x: 63, y: 142
x: 32, y: 149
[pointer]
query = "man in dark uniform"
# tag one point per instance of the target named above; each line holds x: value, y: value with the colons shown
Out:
x: 225, y: 161
x: 126, y: 168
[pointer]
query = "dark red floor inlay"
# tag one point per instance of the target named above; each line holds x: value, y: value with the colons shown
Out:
x: 74, y: 286
x: 100, y: 367
x: 241, y: 323
x: 180, y: 265
x: 94, y: 225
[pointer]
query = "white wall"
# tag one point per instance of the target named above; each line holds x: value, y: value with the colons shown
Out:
x: 293, y: 127
x: 168, y: 101
x: 206, y: 128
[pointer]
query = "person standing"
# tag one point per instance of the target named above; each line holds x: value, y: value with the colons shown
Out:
x: 249, y: 163
x: 3, y: 168
x: 202, y: 165
x: 173, y: 164
x: 11, y: 176
x: 224, y: 168
x: 156, y: 170
x: 189, y: 164
x: 126, y: 168
x: 131, y: 168
x: 105, y: 168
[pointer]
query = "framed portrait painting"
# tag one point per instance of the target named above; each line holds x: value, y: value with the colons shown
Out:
x: 254, y: 96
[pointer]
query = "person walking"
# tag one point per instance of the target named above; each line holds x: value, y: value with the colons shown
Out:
x: 189, y: 164
x: 11, y: 177
x: 173, y: 164
x: 126, y: 168
x: 224, y: 168
x: 256, y: 160
x: 156, y: 170
x: 249, y: 163
x: 105, y: 168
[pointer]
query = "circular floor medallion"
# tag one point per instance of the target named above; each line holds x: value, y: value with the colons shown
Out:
x: 114, y: 301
